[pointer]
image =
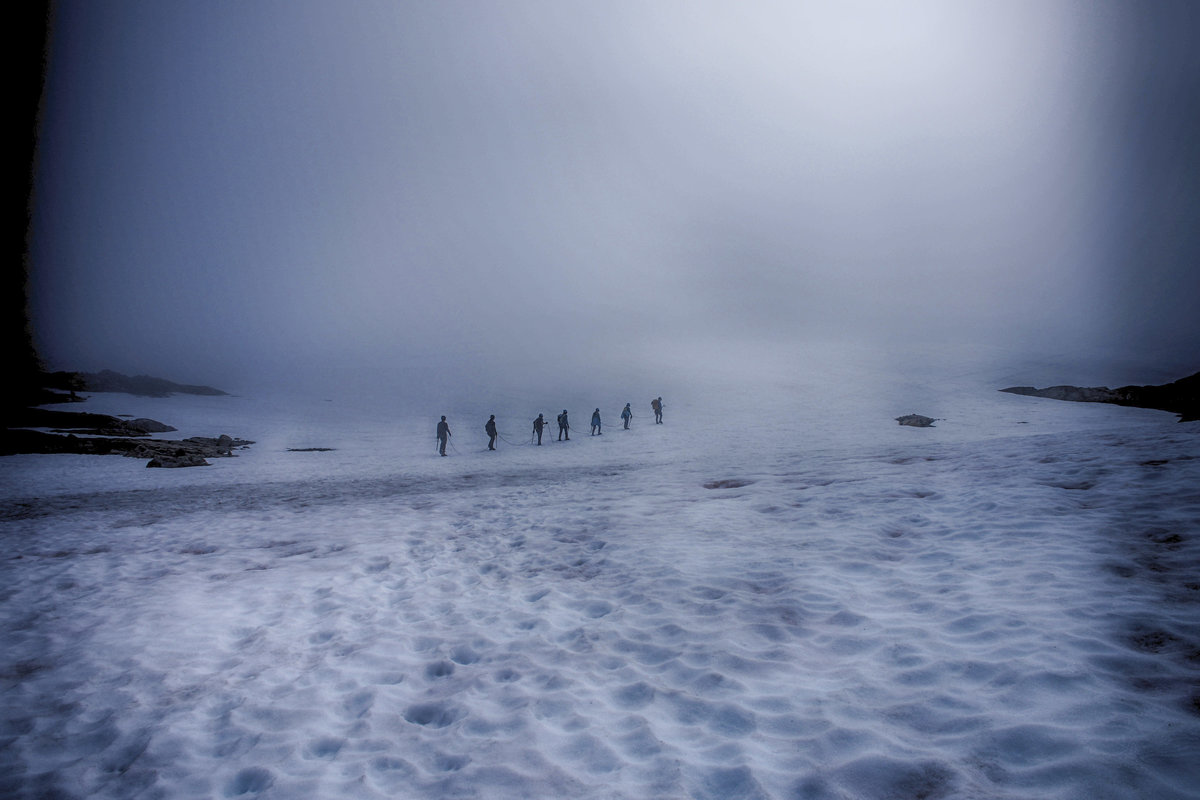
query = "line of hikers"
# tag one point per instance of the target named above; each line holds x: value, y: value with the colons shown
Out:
x: 564, y: 426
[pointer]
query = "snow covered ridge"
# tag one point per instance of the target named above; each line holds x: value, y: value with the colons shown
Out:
x: 1001, y: 606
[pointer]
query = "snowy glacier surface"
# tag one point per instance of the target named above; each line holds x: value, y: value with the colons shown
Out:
x: 777, y: 593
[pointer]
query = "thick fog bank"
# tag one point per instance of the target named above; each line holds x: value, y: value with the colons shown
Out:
x: 445, y: 201
x: 707, y: 368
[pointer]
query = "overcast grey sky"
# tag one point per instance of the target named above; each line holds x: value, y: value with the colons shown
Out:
x: 231, y: 188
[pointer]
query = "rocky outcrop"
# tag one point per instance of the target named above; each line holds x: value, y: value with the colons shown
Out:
x: 195, y: 447
x: 1078, y: 394
x: 84, y: 422
x: 134, y: 427
x: 190, y: 452
x: 1181, y: 397
x: 13, y: 441
x: 143, y: 385
x: 148, y: 426
x: 916, y: 420
x: 172, y: 462
x: 100, y: 434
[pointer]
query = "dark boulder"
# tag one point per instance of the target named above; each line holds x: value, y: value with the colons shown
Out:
x: 916, y: 421
x: 196, y: 448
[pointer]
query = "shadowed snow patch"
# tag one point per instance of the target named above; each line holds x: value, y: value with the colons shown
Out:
x: 432, y: 715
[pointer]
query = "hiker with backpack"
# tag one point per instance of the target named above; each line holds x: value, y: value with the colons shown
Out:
x: 490, y: 430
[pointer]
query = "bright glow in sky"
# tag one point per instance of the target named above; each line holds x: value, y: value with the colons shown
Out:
x: 227, y: 189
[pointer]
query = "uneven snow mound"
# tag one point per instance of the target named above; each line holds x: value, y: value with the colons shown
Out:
x: 647, y: 615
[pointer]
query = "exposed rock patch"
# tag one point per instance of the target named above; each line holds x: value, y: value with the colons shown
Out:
x: 149, y: 425
x: 728, y: 483
x: 1181, y: 397
x: 190, y: 452
x: 196, y: 447
x: 142, y: 385
x: 100, y: 434
x: 85, y: 423
x: 177, y: 461
x: 916, y: 421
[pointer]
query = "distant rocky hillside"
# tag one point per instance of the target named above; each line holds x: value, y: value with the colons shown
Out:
x: 101, y: 434
x: 1181, y: 397
x: 142, y: 385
